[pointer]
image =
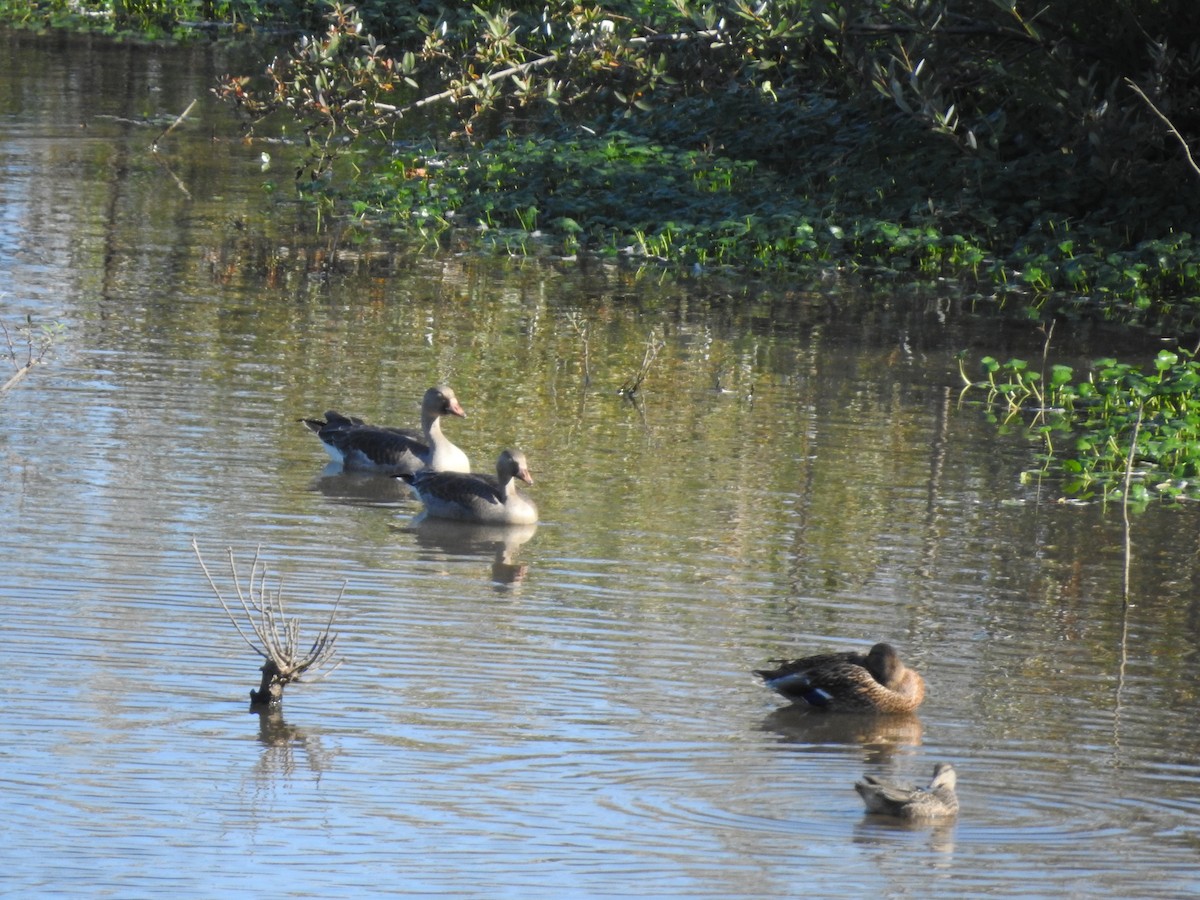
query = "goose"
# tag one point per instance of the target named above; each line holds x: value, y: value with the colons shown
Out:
x: 477, y: 498
x: 893, y: 798
x: 357, y: 445
x: 872, y: 682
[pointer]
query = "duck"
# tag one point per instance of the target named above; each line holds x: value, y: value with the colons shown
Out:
x: 894, y: 798
x: 877, y: 681
x: 477, y: 498
x: 376, y: 448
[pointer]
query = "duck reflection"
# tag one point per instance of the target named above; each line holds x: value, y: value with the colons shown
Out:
x: 881, y: 735
x: 882, y: 832
x: 500, y: 542
x: 360, y: 488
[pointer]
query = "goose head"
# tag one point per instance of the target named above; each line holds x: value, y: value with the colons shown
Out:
x: 440, y: 400
x: 512, y: 464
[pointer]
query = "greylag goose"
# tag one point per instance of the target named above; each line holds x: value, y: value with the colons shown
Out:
x: 891, y: 798
x: 359, y: 446
x: 487, y: 499
x: 858, y: 682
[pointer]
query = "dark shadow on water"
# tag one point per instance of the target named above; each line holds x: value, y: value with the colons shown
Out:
x: 880, y: 735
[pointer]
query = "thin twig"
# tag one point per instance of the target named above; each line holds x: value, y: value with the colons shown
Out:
x: 1170, y: 126
x: 33, y: 356
x: 580, y: 325
x: 178, y: 119
x: 455, y: 92
x: 1137, y: 426
x: 1128, y: 565
x: 221, y: 600
x: 634, y: 382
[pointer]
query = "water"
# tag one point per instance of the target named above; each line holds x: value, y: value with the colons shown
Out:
x: 570, y: 713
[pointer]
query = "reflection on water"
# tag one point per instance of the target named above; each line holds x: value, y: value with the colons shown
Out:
x: 499, y: 542
x: 880, y: 736
x: 883, y: 832
x: 287, y: 749
x: 360, y: 488
x: 563, y: 711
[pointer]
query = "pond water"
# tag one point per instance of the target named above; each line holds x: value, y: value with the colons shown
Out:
x: 569, y: 711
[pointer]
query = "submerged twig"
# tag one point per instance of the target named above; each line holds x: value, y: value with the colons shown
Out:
x: 1125, y: 587
x: 166, y: 131
x: 580, y: 326
x: 1137, y: 427
x: 278, y: 636
x: 634, y: 382
x: 34, y: 352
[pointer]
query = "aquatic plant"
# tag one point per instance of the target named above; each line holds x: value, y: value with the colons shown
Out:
x: 278, y: 636
x: 1117, y: 430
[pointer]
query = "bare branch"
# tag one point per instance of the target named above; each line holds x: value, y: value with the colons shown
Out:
x: 278, y: 636
x: 212, y: 584
x: 634, y: 382
x: 1171, y: 129
x: 183, y: 115
x: 34, y: 354
x: 502, y: 75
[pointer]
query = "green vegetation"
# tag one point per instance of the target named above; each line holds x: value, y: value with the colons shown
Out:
x: 1044, y: 154
x: 1091, y: 426
x: 1041, y: 150
x: 158, y: 19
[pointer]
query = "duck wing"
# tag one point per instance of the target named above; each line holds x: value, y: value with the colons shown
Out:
x: 819, y: 680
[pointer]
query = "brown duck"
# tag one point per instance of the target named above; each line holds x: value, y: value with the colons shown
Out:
x: 892, y: 798
x: 855, y: 682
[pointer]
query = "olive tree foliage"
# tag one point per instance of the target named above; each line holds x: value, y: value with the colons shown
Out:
x: 1113, y: 86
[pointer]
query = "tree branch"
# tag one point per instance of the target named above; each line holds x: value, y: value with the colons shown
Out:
x: 1171, y: 129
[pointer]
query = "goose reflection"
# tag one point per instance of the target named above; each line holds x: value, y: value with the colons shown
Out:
x: 501, y: 542
x: 881, y: 735
x: 360, y: 488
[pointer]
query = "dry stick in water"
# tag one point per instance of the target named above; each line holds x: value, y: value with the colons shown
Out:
x: 278, y: 636
x: 1137, y: 427
x: 634, y: 382
x: 33, y: 357
x: 580, y: 325
x: 183, y: 115
x: 1125, y: 604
